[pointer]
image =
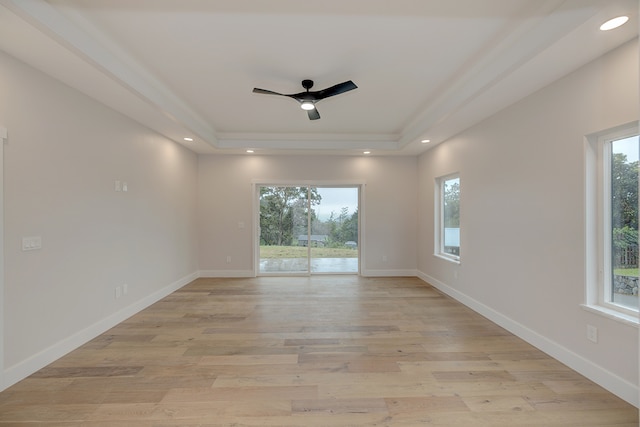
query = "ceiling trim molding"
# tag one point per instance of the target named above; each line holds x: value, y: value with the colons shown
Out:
x: 302, y: 141
x: 119, y: 68
x: 309, y: 136
x: 306, y: 144
x: 158, y: 77
x: 508, y: 51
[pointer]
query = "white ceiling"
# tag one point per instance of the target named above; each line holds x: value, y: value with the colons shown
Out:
x: 424, y: 68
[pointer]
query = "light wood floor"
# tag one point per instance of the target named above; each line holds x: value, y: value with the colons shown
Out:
x: 322, y: 351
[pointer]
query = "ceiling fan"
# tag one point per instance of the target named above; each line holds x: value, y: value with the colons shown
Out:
x: 308, y: 99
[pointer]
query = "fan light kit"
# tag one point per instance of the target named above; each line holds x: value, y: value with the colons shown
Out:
x: 308, y: 99
x: 307, y: 105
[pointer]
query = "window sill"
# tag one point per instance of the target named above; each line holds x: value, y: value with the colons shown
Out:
x: 448, y: 258
x: 612, y: 314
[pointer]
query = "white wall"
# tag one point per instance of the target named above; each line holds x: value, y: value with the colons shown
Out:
x: 522, y: 217
x: 63, y: 154
x: 225, y: 195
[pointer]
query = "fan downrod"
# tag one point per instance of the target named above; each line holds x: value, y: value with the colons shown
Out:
x: 307, y: 84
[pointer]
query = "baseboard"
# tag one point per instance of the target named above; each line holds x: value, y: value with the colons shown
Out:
x: 615, y: 384
x: 226, y: 273
x: 38, y: 361
x: 388, y: 273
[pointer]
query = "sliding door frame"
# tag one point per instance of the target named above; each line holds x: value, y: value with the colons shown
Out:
x: 255, y: 231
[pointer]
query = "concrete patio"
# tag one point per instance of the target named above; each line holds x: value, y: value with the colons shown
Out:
x: 318, y: 265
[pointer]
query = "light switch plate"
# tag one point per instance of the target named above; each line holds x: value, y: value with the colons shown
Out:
x: 31, y: 243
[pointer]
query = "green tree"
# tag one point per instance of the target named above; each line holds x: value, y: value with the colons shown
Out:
x: 350, y: 228
x: 343, y: 228
x: 624, y: 192
x: 624, y: 208
x: 281, y: 213
x: 452, y: 203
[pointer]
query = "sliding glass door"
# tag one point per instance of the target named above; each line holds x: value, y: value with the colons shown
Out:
x: 283, y: 219
x: 335, y: 229
x: 308, y: 229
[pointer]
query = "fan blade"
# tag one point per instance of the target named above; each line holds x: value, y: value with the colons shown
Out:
x: 313, y: 114
x: 335, y: 90
x: 266, y: 92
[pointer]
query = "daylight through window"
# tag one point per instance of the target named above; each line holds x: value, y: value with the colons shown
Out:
x: 448, y: 217
x: 621, y: 272
x: 611, y: 223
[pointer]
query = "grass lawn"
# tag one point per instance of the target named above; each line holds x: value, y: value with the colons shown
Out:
x: 626, y: 272
x: 301, y: 252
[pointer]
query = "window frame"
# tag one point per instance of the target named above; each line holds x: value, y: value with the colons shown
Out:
x: 598, y: 260
x: 439, y: 234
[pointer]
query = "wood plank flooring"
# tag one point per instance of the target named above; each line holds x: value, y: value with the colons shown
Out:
x: 321, y: 351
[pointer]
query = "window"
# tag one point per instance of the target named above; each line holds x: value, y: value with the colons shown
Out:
x: 612, y: 221
x: 447, y: 218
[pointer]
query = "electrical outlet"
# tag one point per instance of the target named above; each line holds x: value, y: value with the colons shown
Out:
x: 125, y: 289
x: 228, y: 259
x: 384, y: 258
x: 592, y: 333
x: 118, y: 292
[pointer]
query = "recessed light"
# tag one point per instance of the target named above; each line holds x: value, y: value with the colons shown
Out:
x: 614, y: 23
x: 367, y: 152
x: 249, y: 151
x: 186, y: 138
x: 425, y: 141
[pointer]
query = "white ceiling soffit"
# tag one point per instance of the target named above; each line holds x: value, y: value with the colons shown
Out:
x: 424, y: 69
